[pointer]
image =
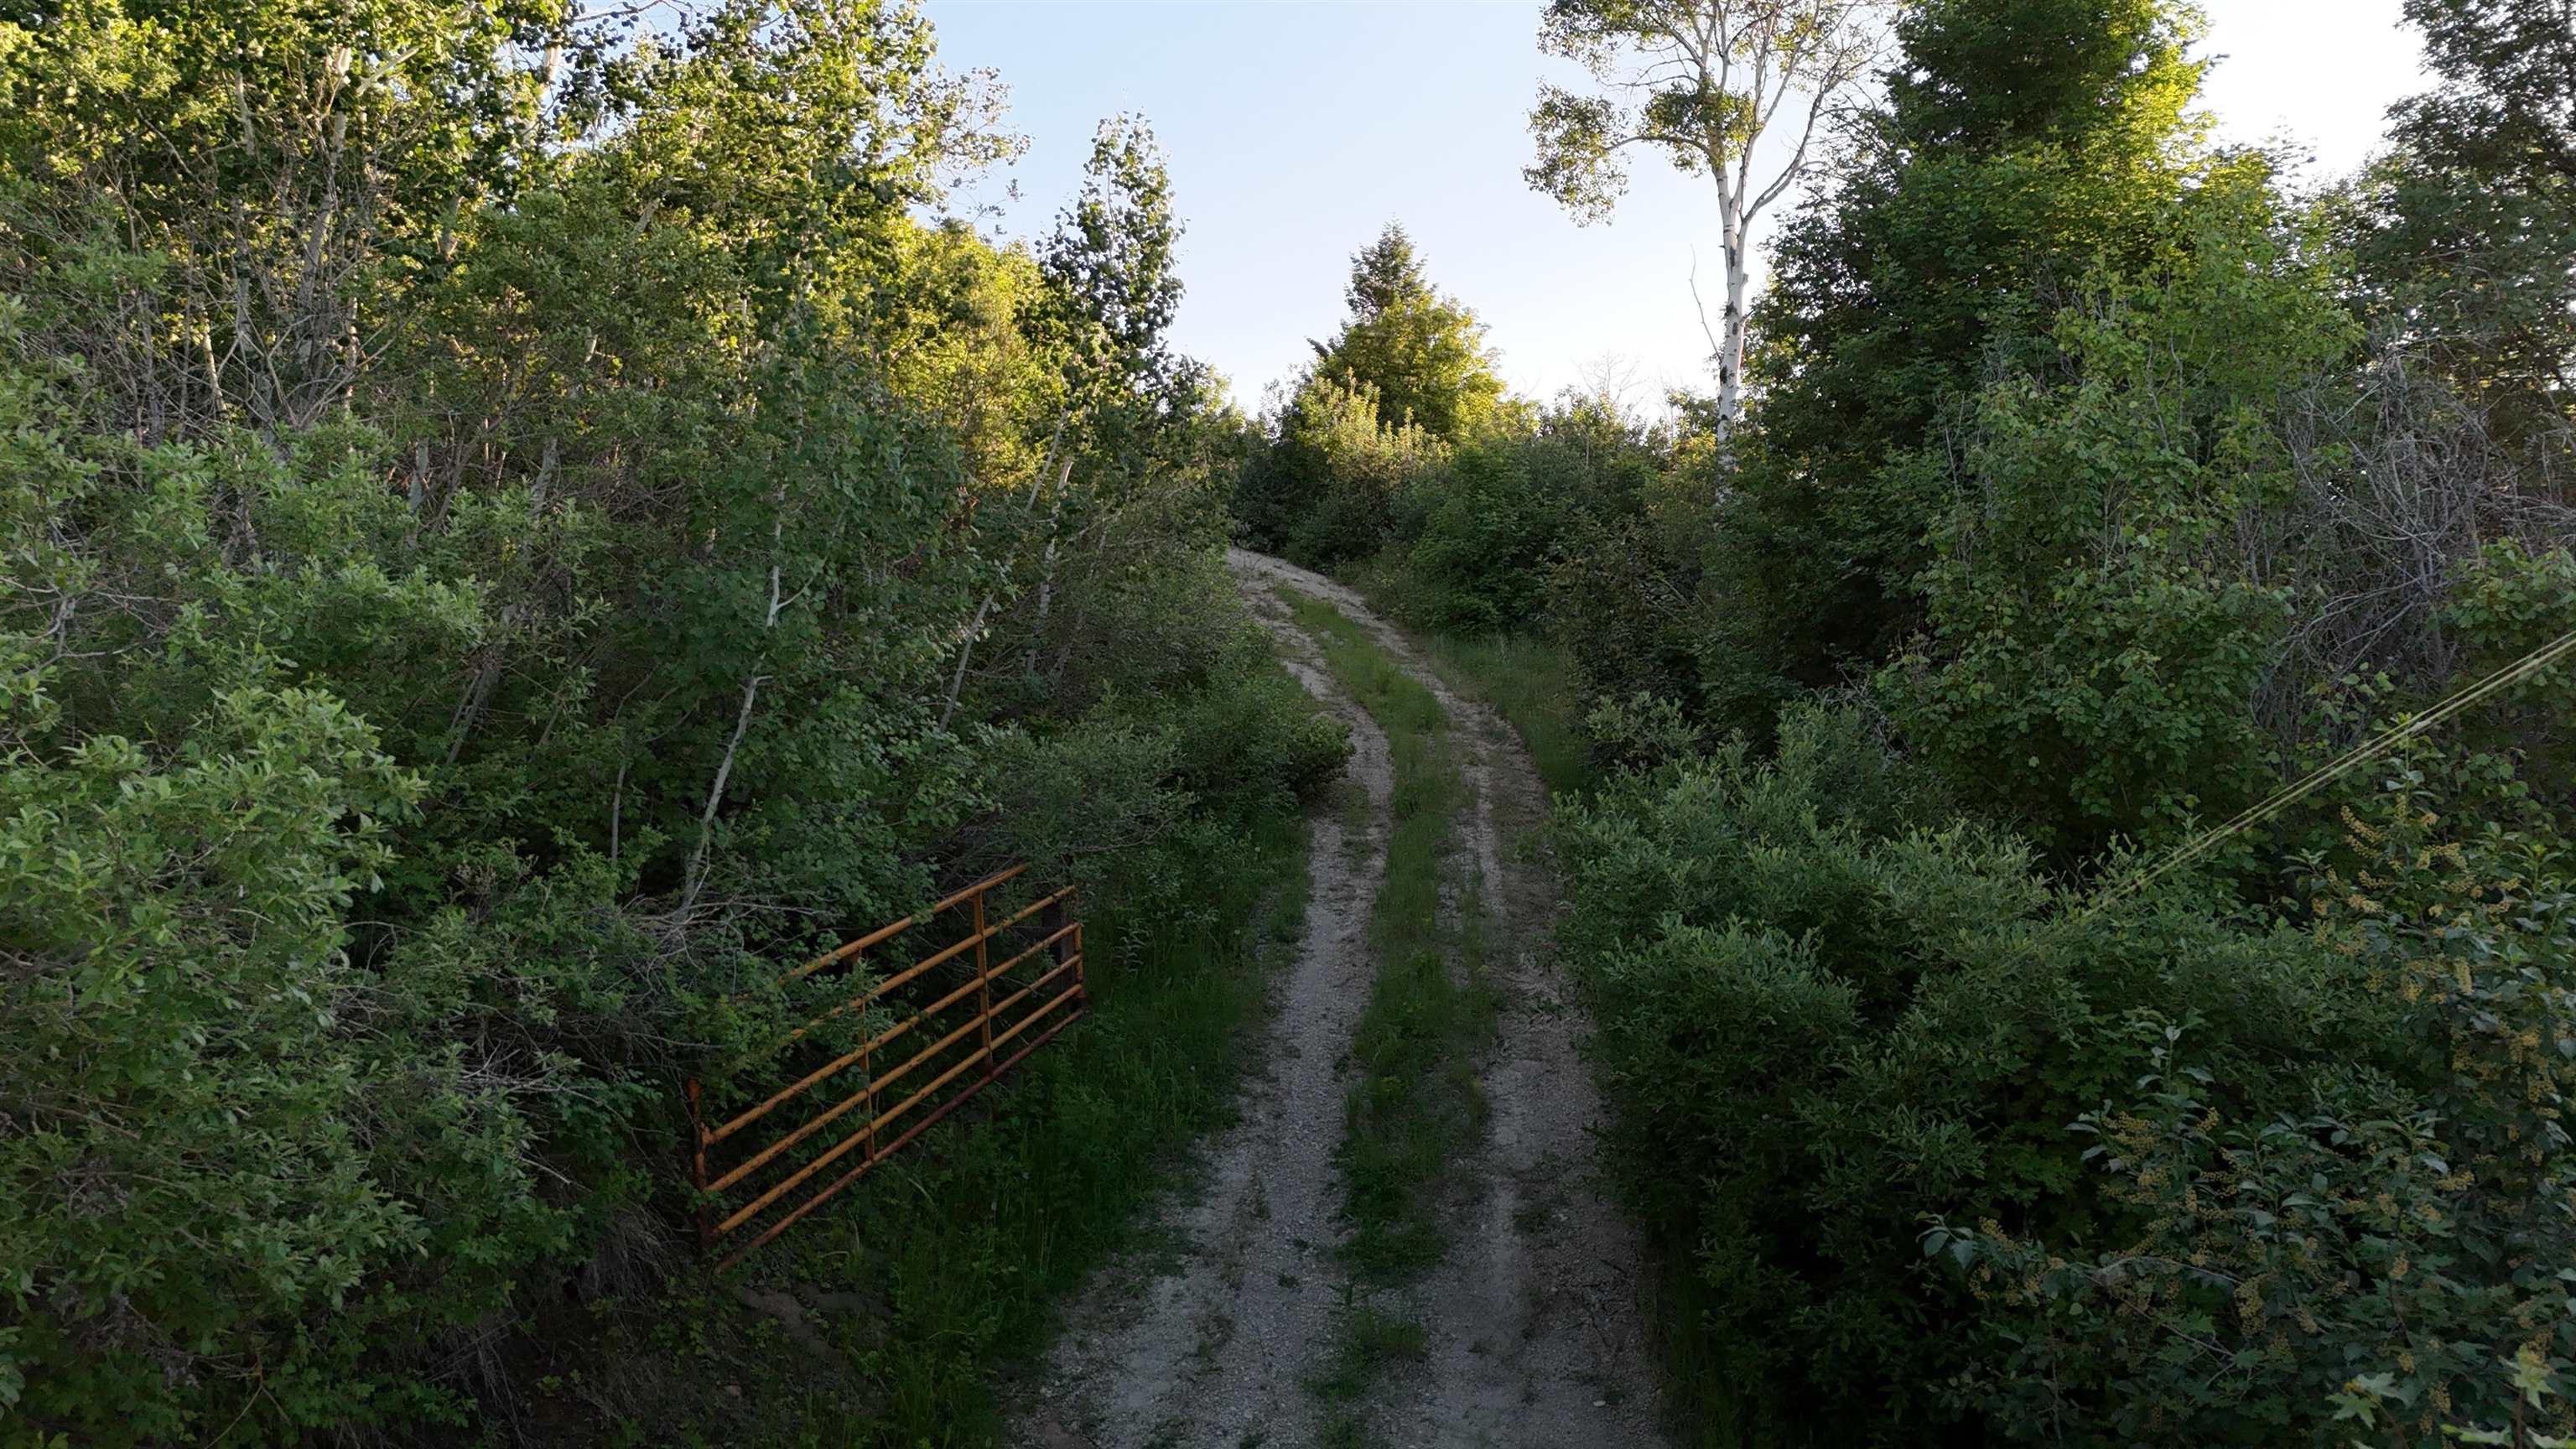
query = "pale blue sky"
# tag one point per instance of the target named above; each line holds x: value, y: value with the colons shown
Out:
x: 1296, y: 130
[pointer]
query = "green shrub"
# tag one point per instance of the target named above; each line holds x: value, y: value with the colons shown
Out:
x: 2378, y: 1254
x: 1107, y: 794
x: 1823, y: 1019
x: 2096, y: 644
x: 2328, y: 1187
x: 1369, y: 467
x: 2507, y: 601
x: 1252, y: 741
x: 1495, y: 520
x: 1621, y: 598
x: 211, y: 1140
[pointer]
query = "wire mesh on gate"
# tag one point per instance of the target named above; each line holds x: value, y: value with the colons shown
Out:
x: 954, y: 1021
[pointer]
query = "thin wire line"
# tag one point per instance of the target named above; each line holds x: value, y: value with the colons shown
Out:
x: 2502, y: 679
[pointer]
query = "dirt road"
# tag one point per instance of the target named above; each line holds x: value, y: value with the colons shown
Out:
x: 1532, y: 1334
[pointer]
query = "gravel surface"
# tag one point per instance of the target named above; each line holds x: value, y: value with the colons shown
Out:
x: 1533, y: 1330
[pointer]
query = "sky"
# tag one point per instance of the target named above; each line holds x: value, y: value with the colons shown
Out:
x: 1296, y: 129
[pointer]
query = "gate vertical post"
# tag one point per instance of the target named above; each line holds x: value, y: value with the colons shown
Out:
x: 868, y: 1070
x: 1068, y: 948
x: 983, y: 987
x: 698, y: 1167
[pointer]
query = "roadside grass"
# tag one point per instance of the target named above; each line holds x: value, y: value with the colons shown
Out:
x: 969, y: 1247
x: 1523, y: 673
x: 944, y: 1267
x: 1530, y: 679
x: 1430, y: 1009
x: 1712, y: 1397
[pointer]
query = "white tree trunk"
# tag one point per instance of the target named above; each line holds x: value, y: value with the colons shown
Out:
x: 993, y: 595
x: 1672, y: 59
x: 1046, y: 564
x: 1730, y: 337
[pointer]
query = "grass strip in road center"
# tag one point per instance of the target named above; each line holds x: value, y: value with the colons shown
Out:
x: 1415, y: 1101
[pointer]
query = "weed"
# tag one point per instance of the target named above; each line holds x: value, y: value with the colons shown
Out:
x: 1371, y: 1342
x: 1430, y: 1013
x: 1527, y: 676
x: 1530, y: 680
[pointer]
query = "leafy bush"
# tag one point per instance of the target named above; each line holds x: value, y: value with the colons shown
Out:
x: 1494, y: 518
x: 1117, y: 781
x: 2328, y: 1179
x: 421, y: 739
x: 2380, y: 1254
x: 1252, y: 742
x: 2086, y: 678
x: 2507, y: 601
x: 206, y: 1118
x: 1485, y: 536
x: 1368, y: 469
x: 1823, y: 1018
x: 1619, y: 597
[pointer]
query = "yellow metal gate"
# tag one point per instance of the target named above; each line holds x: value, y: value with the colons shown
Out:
x: 1005, y: 987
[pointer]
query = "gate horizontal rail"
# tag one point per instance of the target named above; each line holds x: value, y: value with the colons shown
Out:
x: 974, y: 1028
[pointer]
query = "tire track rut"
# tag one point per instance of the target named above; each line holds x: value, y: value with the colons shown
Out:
x: 1532, y: 1325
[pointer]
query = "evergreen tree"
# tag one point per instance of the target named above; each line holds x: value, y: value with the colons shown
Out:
x: 1422, y: 353
x: 1386, y: 272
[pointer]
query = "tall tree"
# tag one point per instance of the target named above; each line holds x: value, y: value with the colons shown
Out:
x: 2508, y: 93
x: 2472, y: 221
x: 1385, y: 273
x: 1113, y: 294
x: 1420, y: 352
x: 1705, y: 81
x: 1111, y: 261
x: 2025, y: 146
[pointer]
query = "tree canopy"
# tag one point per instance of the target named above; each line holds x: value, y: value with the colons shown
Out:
x: 518, y: 526
x: 1421, y: 353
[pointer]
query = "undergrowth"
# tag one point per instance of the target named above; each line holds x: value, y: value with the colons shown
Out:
x: 1372, y: 1341
x: 1523, y: 673
x: 1530, y: 679
x: 939, y: 1273
x: 970, y: 1248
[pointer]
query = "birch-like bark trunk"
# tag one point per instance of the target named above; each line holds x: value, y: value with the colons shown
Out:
x: 1705, y: 80
x: 1730, y: 337
x: 993, y: 595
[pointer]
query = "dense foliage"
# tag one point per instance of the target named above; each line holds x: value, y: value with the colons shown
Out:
x: 516, y: 522
x: 2313, y: 1157
x: 2095, y: 486
x: 2123, y: 489
x: 515, y: 525
x: 1408, y: 378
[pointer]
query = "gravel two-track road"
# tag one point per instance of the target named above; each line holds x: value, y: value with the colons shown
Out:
x: 1213, y: 1338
